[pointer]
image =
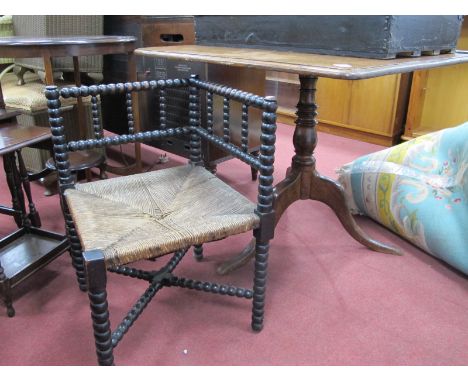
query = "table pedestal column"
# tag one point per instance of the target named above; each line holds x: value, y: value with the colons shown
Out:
x: 304, y: 182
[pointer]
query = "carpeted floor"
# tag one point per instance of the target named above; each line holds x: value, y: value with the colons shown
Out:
x: 330, y: 301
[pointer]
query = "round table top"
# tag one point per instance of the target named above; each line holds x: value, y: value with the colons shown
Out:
x: 64, y: 40
x: 62, y: 46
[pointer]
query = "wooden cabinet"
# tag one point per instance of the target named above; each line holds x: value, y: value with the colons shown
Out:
x: 371, y: 110
x: 439, y: 97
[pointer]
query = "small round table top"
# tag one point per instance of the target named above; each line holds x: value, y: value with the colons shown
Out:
x: 26, y: 46
x: 63, y: 40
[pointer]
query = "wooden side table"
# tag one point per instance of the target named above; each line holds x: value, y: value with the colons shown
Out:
x: 29, y: 248
x: 75, y: 46
x: 302, y: 180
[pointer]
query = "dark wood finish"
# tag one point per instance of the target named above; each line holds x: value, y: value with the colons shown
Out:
x: 33, y: 216
x: 198, y: 252
x: 14, y: 137
x: 26, y: 47
x: 17, y: 199
x: 96, y: 284
x: 28, y: 249
x: 90, y: 265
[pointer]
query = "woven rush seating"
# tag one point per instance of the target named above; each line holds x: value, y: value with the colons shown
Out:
x: 156, y: 213
x: 115, y: 222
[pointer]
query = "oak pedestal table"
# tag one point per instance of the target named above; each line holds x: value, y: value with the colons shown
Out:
x: 75, y: 46
x: 302, y: 180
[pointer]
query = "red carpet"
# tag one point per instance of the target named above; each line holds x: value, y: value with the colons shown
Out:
x: 330, y: 301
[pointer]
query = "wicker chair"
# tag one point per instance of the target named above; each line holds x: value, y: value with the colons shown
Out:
x: 165, y: 211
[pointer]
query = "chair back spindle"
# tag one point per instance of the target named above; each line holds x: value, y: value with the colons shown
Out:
x: 130, y: 120
x: 209, y: 112
x: 194, y: 131
x: 162, y: 109
x: 226, y: 126
x: 245, y: 128
x: 194, y: 122
x: 97, y: 126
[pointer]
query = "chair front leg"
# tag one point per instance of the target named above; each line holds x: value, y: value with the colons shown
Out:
x: 96, y: 279
x: 259, y: 288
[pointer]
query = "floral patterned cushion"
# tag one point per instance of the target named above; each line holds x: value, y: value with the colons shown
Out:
x: 418, y: 189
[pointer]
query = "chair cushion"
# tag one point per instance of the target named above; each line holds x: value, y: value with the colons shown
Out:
x: 151, y: 214
x: 418, y: 189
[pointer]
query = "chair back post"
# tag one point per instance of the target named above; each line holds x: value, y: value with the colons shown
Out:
x: 267, y: 158
x: 194, y: 122
x: 59, y: 141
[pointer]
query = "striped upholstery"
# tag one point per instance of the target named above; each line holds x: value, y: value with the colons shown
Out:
x: 151, y: 214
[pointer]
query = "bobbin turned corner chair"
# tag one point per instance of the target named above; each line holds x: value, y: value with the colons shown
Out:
x: 111, y: 223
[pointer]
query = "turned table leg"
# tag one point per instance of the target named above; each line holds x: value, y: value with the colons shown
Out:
x: 33, y: 213
x: 14, y: 185
x: 304, y: 182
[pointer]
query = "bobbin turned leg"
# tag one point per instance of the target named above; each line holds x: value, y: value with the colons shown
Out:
x: 260, y: 278
x: 198, y: 252
x: 96, y: 279
x: 195, y: 145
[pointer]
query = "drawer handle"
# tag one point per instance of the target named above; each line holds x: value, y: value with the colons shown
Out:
x: 167, y: 37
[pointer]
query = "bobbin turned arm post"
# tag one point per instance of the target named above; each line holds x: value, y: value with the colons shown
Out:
x: 265, y: 210
x: 60, y: 149
x: 58, y: 138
